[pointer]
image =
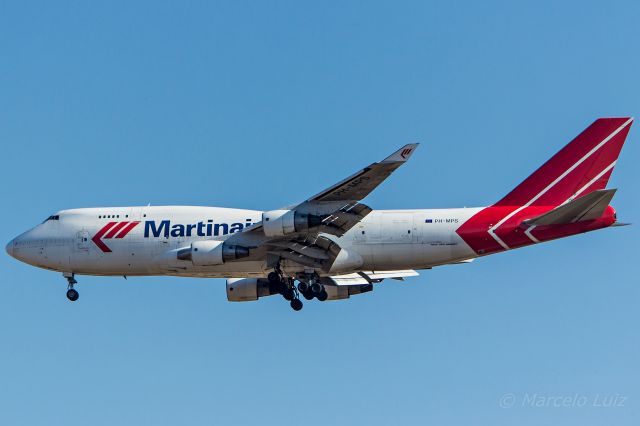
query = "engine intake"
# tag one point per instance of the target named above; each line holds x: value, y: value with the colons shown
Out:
x: 277, y: 223
x: 211, y: 253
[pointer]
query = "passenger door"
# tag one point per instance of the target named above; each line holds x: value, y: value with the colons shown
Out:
x: 82, y: 241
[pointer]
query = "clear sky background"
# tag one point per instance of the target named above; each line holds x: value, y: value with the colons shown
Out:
x: 262, y: 104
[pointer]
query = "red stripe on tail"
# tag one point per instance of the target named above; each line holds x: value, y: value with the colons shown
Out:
x: 582, y: 166
x: 575, y: 165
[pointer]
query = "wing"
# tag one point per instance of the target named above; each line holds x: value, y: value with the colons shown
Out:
x: 333, y: 211
x: 359, y: 185
x: 339, y: 206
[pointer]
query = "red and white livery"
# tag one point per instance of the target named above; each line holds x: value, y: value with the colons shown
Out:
x: 331, y: 246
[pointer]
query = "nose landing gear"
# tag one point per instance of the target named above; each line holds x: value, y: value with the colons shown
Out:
x: 72, y: 294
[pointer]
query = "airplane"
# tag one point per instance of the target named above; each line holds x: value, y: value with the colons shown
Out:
x: 331, y: 244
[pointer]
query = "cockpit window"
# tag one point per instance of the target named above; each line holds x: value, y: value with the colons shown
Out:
x: 53, y: 217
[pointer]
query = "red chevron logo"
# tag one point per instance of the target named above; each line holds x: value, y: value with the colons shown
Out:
x: 405, y: 152
x: 112, y: 230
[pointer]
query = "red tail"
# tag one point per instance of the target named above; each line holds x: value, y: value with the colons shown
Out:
x: 583, y: 166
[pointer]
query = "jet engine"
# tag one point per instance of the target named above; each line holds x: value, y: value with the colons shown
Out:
x: 211, y: 252
x: 248, y: 289
x: 277, y: 223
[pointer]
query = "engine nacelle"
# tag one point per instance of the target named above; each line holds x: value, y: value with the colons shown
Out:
x: 277, y: 223
x: 211, y: 253
x: 345, y: 291
x: 248, y: 289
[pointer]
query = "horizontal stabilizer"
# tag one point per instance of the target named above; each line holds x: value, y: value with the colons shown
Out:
x: 589, y: 207
x: 620, y: 224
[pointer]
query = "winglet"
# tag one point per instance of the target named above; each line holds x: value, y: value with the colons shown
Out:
x: 402, y: 154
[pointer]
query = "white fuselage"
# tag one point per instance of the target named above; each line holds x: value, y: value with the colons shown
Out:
x: 385, y: 239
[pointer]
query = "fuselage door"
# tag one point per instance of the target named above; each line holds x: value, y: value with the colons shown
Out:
x: 82, y: 241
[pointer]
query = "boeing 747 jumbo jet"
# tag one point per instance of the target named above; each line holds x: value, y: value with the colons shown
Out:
x: 332, y: 244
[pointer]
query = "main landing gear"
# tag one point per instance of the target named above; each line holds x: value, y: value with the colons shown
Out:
x: 309, y: 286
x: 286, y: 288
x: 72, y: 293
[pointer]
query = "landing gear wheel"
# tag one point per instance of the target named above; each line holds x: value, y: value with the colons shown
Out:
x: 273, y: 278
x: 316, y: 288
x: 323, y: 295
x: 307, y: 295
x: 296, y: 304
x: 72, y: 295
x: 288, y: 294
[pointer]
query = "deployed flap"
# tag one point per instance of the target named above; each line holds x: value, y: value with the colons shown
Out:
x: 368, y: 277
x: 380, y: 275
x: 589, y: 207
x: 343, y: 219
x: 348, y: 279
x: 313, y: 251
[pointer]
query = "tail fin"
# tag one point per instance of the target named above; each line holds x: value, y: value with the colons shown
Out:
x: 581, y: 167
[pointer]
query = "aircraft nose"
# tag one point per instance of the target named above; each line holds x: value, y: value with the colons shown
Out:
x: 9, y: 248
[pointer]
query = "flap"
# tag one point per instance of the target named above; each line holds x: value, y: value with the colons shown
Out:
x: 340, y: 221
x: 369, y: 277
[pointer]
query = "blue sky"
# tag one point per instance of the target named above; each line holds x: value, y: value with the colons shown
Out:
x: 261, y: 104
